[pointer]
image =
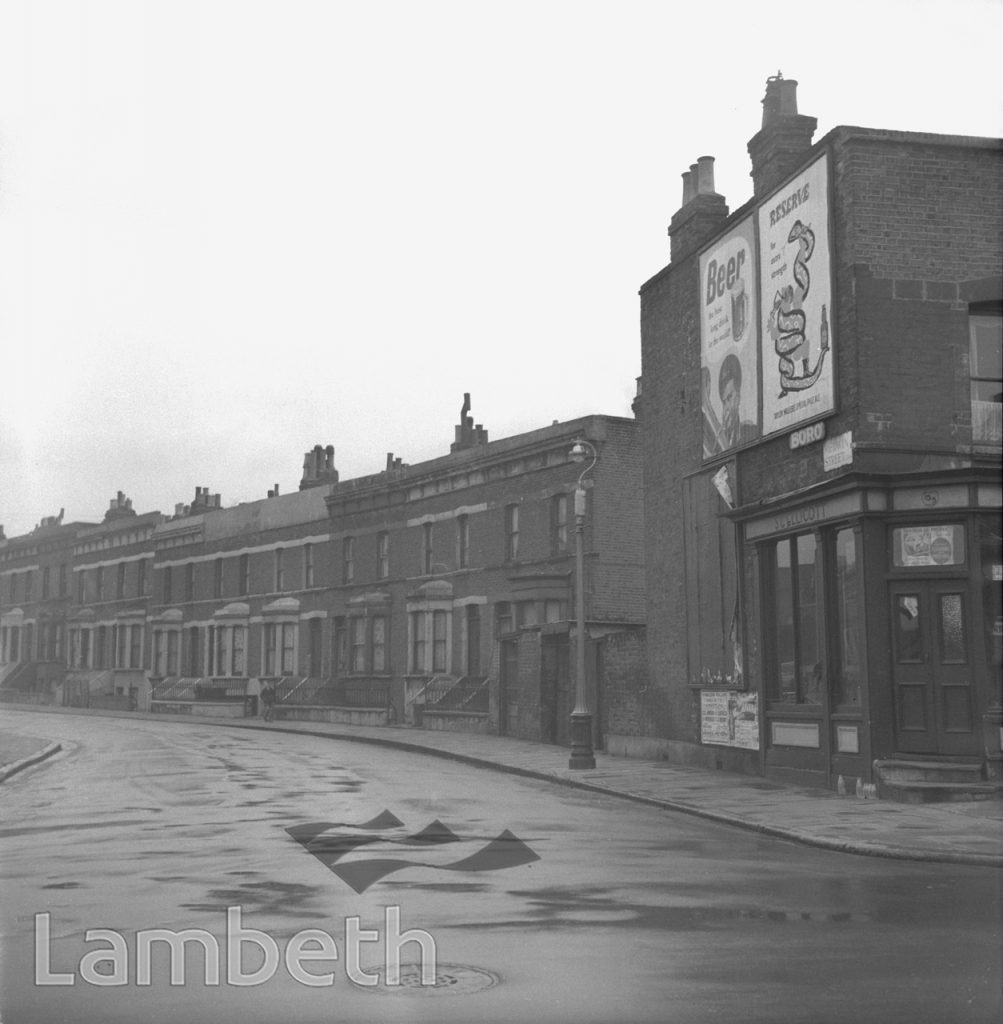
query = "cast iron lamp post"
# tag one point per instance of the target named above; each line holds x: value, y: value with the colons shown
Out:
x: 582, y: 755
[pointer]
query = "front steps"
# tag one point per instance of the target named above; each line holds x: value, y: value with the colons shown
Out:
x: 921, y: 781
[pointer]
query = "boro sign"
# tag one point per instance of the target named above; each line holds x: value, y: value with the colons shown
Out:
x: 807, y: 435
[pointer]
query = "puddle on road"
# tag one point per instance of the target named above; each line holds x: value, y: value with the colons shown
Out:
x: 262, y: 897
x: 443, y: 886
x: 570, y: 909
x: 9, y: 833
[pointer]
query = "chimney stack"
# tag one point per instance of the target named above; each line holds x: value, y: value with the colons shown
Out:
x: 784, y: 140
x: 467, y: 435
x: 318, y: 467
x: 703, y: 211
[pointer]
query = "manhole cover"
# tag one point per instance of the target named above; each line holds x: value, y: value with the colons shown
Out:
x: 450, y: 980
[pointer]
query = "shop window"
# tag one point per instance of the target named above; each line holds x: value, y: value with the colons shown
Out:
x: 795, y: 674
x: 986, y: 367
x: 848, y: 621
x: 990, y: 546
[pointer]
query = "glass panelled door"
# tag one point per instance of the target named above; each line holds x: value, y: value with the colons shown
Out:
x: 933, y: 674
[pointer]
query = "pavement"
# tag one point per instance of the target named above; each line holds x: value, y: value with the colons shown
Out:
x: 968, y: 832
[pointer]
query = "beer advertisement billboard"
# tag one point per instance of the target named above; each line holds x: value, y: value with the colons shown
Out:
x: 729, y: 350
x: 795, y: 257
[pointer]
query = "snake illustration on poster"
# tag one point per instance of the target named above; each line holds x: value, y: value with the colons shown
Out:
x: 796, y: 301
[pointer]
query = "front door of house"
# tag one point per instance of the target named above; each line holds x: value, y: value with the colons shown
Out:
x: 932, y: 668
x: 508, y: 688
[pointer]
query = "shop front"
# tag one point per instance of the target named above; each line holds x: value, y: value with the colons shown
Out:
x: 876, y: 626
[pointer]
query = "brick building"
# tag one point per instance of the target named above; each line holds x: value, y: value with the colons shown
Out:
x: 456, y: 582
x: 439, y: 593
x: 821, y: 426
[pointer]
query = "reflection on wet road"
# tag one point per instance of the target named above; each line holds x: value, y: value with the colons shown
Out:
x: 541, y: 902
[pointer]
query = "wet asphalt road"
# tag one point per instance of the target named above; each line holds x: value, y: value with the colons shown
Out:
x: 588, y: 909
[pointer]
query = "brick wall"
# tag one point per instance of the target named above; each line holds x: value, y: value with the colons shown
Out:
x: 627, y: 701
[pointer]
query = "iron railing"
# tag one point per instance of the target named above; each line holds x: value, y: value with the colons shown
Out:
x: 354, y: 692
x: 468, y: 693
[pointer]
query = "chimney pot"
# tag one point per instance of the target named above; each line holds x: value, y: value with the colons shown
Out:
x: 705, y: 170
x: 689, y: 190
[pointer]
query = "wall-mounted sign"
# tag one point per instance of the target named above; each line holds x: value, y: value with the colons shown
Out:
x: 729, y: 718
x: 807, y: 435
x: 796, y: 301
x: 928, y: 545
x: 729, y: 344
x: 838, y: 451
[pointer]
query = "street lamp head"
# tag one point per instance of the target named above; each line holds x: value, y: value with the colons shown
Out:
x: 577, y: 453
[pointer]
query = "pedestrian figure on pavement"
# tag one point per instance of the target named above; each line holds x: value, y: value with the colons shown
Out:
x: 267, y: 701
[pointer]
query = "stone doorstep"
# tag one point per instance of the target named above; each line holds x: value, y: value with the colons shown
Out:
x: 924, y: 792
x: 896, y: 771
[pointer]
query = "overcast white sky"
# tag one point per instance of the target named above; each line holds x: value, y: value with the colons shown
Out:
x: 232, y: 230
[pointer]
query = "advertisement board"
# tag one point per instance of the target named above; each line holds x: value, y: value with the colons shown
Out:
x: 729, y: 718
x: 729, y: 349
x: 795, y: 255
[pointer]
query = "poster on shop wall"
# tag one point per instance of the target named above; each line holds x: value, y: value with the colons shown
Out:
x: 795, y: 254
x: 729, y: 349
